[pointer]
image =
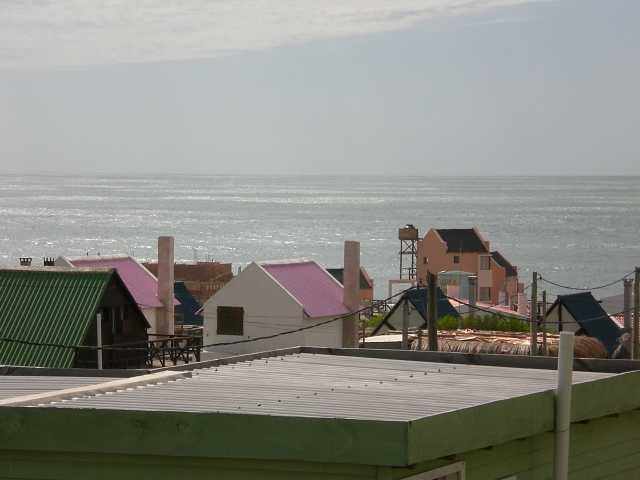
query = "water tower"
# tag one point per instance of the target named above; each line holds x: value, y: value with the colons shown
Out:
x: 408, y: 237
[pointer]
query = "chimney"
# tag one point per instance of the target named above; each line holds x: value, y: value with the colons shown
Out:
x: 164, y: 319
x: 522, y: 304
x: 351, y: 293
x: 25, y: 261
x: 49, y: 261
x: 473, y: 283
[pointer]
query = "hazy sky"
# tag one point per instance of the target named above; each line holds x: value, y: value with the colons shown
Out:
x: 358, y: 87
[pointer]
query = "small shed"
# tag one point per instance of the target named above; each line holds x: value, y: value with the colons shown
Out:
x: 418, y: 304
x: 582, y: 314
x: 50, y: 305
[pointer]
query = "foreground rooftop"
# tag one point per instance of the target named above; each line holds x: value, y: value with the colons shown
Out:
x: 312, y: 404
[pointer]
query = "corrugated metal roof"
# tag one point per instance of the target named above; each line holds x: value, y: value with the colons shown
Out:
x: 21, y: 385
x: 319, y: 293
x: 139, y: 281
x: 328, y: 386
x: 47, y: 305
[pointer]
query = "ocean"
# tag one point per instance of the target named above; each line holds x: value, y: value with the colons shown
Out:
x: 581, y: 232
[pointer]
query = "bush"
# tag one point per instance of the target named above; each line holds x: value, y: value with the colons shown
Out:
x: 375, y: 320
x: 489, y: 322
x: 448, y: 323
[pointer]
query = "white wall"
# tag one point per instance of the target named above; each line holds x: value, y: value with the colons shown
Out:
x: 568, y: 322
x: 268, y: 309
x: 150, y: 315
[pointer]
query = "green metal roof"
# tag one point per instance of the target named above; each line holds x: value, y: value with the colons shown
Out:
x: 47, y: 305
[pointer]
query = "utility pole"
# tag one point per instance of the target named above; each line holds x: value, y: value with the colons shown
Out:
x: 544, y: 323
x: 405, y: 323
x: 419, y: 333
x: 636, y: 312
x: 533, y: 316
x: 627, y: 307
x: 432, y: 311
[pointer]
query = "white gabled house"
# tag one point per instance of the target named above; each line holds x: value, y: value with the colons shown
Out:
x: 269, y: 298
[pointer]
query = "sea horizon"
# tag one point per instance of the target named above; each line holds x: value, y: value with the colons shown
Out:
x: 578, y: 231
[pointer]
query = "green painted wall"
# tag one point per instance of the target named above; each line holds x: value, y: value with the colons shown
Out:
x: 41, y: 466
x: 605, y: 448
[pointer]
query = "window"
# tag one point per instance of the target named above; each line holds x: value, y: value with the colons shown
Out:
x: 456, y: 259
x: 485, y: 294
x: 230, y: 321
x: 425, y: 260
x: 115, y: 314
x: 485, y: 263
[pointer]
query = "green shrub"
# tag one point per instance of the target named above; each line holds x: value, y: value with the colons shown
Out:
x: 375, y: 320
x: 448, y: 323
x: 489, y: 322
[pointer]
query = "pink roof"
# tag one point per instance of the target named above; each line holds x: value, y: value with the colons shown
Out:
x: 138, y: 280
x: 311, y: 285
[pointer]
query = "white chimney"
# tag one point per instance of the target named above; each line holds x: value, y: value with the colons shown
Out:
x: 165, y: 285
x: 351, y: 293
x: 522, y: 304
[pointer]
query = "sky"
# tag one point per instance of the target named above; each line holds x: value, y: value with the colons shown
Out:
x: 350, y: 87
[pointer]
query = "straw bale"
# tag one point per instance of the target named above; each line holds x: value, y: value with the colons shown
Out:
x: 509, y: 343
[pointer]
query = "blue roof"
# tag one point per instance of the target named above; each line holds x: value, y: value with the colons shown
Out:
x: 188, y: 304
x: 419, y: 298
x: 592, y: 318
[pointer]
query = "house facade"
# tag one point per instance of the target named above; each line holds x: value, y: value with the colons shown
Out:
x: 466, y: 250
x: 268, y: 298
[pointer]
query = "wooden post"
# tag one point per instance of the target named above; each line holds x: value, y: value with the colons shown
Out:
x: 628, y: 295
x: 533, y: 316
x: 99, y: 342
x: 405, y: 323
x: 432, y: 311
x: 636, y: 312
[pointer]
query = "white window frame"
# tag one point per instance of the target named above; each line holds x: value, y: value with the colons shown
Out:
x: 441, y: 472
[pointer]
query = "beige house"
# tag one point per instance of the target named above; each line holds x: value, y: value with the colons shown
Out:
x: 466, y: 250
